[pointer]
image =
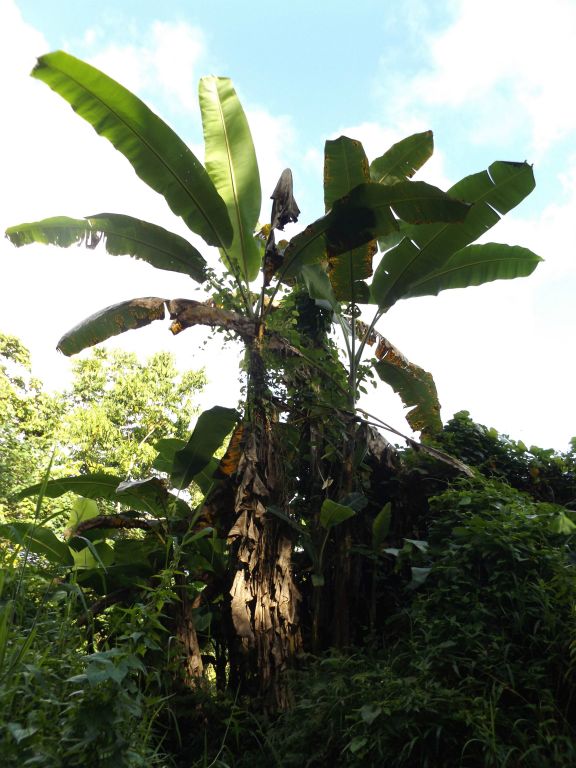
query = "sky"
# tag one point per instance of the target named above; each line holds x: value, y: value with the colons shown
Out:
x: 493, y: 80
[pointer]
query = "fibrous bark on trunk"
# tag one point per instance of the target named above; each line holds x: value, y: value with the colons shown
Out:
x: 265, y: 598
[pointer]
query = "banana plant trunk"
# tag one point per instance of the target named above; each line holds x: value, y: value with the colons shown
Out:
x: 264, y: 597
x: 186, y: 635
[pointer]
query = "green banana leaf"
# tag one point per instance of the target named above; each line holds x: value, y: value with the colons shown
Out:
x: 40, y: 540
x: 345, y: 167
x: 319, y: 286
x: 231, y: 164
x: 115, y: 319
x: 166, y: 448
x: 427, y: 247
x: 82, y: 510
x: 403, y: 159
x: 332, y: 513
x: 156, y: 152
x: 145, y: 496
x: 208, y: 435
x: 122, y: 236
x: 363, y: 214
x: 476, y: 265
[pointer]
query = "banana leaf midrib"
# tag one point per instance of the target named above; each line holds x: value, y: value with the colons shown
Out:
x: 442, y: 229
x: 130, y: 126
x: 235, y: 196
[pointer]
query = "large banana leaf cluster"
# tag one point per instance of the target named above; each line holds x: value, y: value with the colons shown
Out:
x: 425, y: 234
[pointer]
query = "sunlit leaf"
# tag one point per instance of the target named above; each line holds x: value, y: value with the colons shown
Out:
x: 156, y: 152
x: 83, y: 509
x: 231, y: 164
x: 403, y: 159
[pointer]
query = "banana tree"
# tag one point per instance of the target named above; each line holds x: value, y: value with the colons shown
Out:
x: 220, y: 201
x: 416, y: 258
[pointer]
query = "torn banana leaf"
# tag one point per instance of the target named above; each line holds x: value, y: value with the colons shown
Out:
x: 403, y: 159
x: 368, y: 211
x: 345, y: 167
x: 427, y: 248
x: 121, y: 236
x: 415, y: 386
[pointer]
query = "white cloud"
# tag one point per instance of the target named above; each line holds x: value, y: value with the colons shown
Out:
x: 501, y: 350
x: 165, y: 66
x: 511, y: 61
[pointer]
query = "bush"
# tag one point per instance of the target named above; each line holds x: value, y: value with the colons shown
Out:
x: 477, y: 671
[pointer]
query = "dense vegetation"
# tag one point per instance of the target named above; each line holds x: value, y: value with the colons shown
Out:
x: 467, y: 657
x: 283, y: 586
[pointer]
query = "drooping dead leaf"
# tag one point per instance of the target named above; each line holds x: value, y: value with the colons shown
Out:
x: 229, y: 462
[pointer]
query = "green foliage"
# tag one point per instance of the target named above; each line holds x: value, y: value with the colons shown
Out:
x: 543, y: 473
x: 425, y: 250
x: 475, y: 671
x: 425, y: 234
x: 121, y: 407
x: 27, y: 419
x: 59, y: 705
x: 231, y: 164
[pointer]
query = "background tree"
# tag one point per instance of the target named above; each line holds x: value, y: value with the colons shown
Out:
x: 119, y: 407
x: 29, y: 418
x: 115, y: 411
